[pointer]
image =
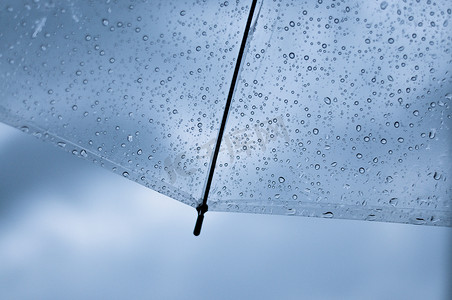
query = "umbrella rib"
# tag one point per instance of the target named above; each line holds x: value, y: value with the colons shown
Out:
x: 202, y: 208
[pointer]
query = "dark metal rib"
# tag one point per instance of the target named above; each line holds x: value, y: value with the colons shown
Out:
x: 202, y: 209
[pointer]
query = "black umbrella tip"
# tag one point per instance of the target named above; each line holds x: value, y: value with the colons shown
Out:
x: 202, y: 209
x: 198, y: 225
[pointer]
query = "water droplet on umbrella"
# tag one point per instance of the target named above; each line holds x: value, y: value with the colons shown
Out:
x: 281, y: 179
x: 328, y: 214
x: 327, y: 100
x: 393, y: 201
x: 383, y: 5
x: 448, y: 96
x: 419, y: 221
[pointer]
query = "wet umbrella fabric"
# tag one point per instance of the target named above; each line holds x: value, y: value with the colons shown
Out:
x: 338, y: 110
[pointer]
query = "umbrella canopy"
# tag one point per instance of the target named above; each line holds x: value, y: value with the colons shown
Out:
x: 342, y: 110
x: 326, y: 109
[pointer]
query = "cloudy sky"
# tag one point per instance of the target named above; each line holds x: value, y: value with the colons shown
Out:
x: 72, y: 230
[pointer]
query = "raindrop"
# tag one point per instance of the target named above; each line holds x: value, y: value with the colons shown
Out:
x: 281, y: 179
x: 291, y: 211
x: 383, y: 5
x: 292, y: 55
x: 362, y: 170
x: 437, y: 176
x: 328, y: 214
x: 182, y: 12
x: 419, y: 221
x: 448, y: 96
x: 125, y: 174
x: 393, y: 201
x: 105, y: 22
x: 327, y: 100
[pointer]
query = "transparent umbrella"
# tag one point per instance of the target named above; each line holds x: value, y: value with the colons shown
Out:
x: 325, y: 109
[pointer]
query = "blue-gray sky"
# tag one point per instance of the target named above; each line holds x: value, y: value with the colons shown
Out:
x: 72, y: 230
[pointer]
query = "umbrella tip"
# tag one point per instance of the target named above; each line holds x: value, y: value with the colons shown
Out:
x: 202, y: 209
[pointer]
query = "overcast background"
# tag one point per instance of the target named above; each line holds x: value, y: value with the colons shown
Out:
x: 71, y: 230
